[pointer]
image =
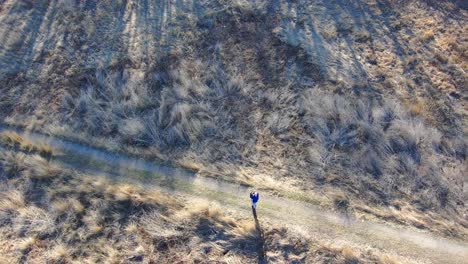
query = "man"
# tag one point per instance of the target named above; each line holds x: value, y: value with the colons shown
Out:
x: 254, y: 196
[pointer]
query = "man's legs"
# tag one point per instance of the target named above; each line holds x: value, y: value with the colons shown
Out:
x: 254, y: 205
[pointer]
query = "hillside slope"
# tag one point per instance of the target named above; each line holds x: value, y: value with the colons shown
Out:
x: 58, y: 206
x: 364, y: 99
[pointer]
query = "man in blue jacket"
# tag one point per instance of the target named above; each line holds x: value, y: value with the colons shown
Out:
x: 254, y: 196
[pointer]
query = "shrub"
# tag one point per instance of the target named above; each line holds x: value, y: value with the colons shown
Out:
x: 12, y: 139
x: 427, y: 35
x: 279, y: 122
x: 377, y: 139
x: 330, y: 120
x: 12, y: 163
x: 362, y: 36
x: 181, y: 120
x: 39, y: 168
x: 371, y: 163
x: 130, y: 129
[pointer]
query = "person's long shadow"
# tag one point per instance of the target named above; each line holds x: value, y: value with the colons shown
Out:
x: 261, y: 247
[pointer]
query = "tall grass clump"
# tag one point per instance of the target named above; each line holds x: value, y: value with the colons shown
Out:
x: 379, y: 140
x: 13, y: 140
x: 143, y: 114
x: 183, y: 113
x: 107, y: 100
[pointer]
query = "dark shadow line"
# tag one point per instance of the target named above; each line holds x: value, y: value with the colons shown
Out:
x: 261, y: 247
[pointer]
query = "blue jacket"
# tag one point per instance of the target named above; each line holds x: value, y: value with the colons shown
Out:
x: 254, y: 197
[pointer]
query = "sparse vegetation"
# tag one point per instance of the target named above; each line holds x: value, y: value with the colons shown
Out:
x: 364, y: 98
x: 427, y: 35
x: 72, y: 217
x: 11, y: 139
x: 381, y: 141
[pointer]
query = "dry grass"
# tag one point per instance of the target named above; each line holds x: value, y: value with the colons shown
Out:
x: 427, y: 35
x: 40, y: 168
x: 11, y: 139
x: 73, y: 217
x: 381, y: 141
x: 13, y: 163
x: 11, y: 200
x: 226, y: 87
x: 72, y: 204
x: 58, y: 253
x: 131, y: 228
x: 343, y: 254
x: 26, y: 244
x: 350, y: 255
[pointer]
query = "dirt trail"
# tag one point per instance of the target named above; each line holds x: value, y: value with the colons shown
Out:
x: 314, y: 221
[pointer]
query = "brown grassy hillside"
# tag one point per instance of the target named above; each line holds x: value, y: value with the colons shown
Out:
x: 367, y: 97
x: 49, y: 214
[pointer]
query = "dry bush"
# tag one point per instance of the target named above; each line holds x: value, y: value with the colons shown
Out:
x: 39, y: 168
x: 61, y: 206
x: 350, y: 255
x: 181, y: 121
x: 111, y: 102
x: 110, y: 98
x: 12, y: 139
x: 335, y: 253
x: 329, y: 32
x: 131, y: 128
x: 362, y: 36
x: 11, y: 201
x: 59, y: 253
x: 26, y: 244
x: 427, y: 35
x: 382, y: 141
x: 12, y: 163
x: 131, y: 228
